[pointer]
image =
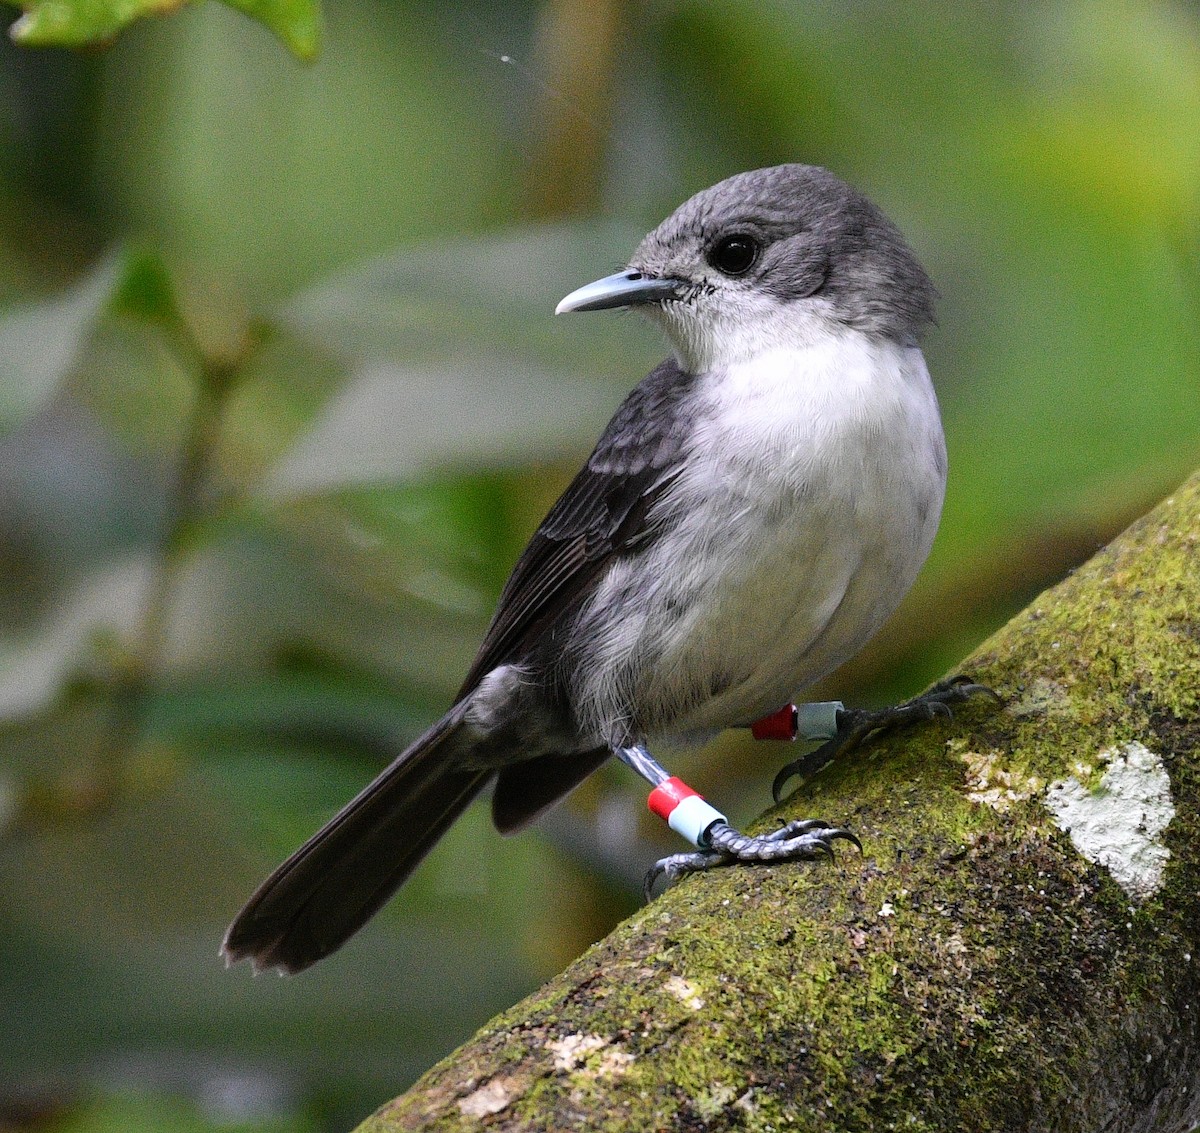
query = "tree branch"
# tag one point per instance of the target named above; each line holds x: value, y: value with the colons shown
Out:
x: 973, y: 969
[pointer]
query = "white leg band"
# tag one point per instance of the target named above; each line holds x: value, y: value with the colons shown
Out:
x: 692, y: 818
x: 818, y: 721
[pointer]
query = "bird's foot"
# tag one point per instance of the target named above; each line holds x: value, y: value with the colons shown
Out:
x: 856, y: 725
x: 801, y: 840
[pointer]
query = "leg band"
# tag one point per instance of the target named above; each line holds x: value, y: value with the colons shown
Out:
x: 807, y: 721
x: 684, y: 810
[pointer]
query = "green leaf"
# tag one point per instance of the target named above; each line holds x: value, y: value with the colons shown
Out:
x: 296, y: 22
x: 144, y: 289
x: 454, y: 359
x: 34, y: 665
x: 77, y: 23
x: 39, y: 344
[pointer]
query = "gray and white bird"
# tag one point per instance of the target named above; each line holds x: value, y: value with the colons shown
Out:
x: 752, y: 514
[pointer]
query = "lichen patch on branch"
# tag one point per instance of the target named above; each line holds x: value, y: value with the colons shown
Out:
x: 490, y: 1098
x: 573, y: 1053
x: 1119, y: 823
x: 685, y: 992
x: 990, y: 783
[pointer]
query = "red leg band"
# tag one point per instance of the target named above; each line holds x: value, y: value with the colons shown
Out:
x: 668, y: 795
x: 781, y: 725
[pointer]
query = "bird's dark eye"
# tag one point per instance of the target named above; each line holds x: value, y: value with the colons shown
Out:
x: 734, y: 255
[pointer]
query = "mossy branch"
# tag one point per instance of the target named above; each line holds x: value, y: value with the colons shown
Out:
x: 974, y: 969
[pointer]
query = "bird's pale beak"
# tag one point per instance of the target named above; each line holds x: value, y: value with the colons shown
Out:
x: 625, y: 289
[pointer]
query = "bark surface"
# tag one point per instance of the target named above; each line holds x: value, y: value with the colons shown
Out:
x: 1018, y: 947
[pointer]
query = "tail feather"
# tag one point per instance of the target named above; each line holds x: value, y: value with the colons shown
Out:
x: 330, y: 887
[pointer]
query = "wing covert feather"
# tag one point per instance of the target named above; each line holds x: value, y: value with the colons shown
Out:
x: 602, y: 512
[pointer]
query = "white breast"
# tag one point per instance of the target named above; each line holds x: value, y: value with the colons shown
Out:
x: 809, y: 500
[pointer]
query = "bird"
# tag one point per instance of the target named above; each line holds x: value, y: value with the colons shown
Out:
x: 754, y: 511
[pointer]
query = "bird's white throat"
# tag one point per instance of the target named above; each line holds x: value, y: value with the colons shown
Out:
x: 709, y: 335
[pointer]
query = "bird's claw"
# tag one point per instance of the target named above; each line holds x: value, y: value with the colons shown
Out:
x: 801, y: 840
x: 855, y: 725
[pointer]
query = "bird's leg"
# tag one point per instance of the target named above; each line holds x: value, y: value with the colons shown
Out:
x: 717, y: 843
x: 855, y: 725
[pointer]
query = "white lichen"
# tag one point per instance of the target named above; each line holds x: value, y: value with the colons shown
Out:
x: 574, y: 1054
x: 1118, y: 822
x: 710, y: 1103
x: 490, y: 1098
x: 747, y: 1103
x: 995, y: 786
x: 613, y: 1062
x: 685, y: 991
x: 572, y: 1050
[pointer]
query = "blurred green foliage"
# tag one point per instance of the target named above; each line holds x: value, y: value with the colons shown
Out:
x: 281, y: 397
x: 81, y: 23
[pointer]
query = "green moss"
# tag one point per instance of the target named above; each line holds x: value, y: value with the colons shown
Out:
x: 968, y: 971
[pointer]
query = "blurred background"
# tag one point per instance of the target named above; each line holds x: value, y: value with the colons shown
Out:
x: 281, y: 397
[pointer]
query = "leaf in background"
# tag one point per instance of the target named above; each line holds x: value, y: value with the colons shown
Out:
x: 34, y: 666
x: 455, y: 358
x: 144, y: 288
x: 425, y: 298
x: 76, y: 23
x: 392, y: 422
x: 39, y: 344
x: 296, y: 22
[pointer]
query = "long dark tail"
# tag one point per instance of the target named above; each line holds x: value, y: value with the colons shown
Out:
x: 330, y: 887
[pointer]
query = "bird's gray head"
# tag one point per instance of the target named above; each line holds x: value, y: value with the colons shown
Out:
x: 773, y: 257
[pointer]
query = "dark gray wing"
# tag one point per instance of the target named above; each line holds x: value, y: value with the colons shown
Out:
x: 601, y: 514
